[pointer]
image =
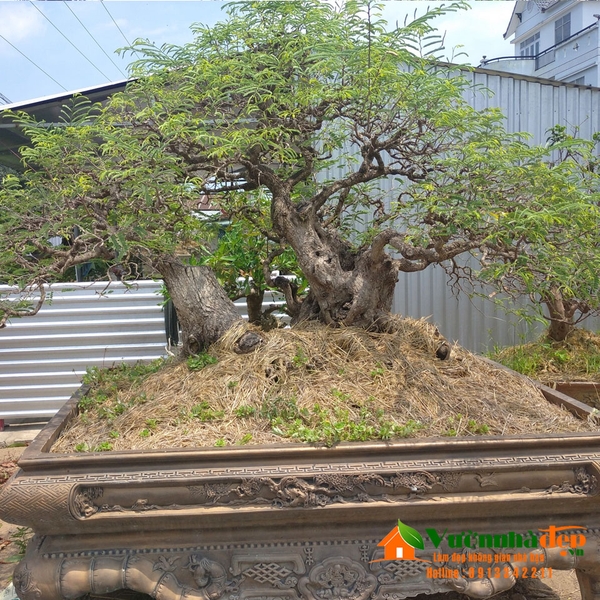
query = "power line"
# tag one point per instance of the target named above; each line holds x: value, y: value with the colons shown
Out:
x: 97, y: 44
x: 34, y: 64
x: 4, y: 99
x: 70, y: 42
x: 116, y: 24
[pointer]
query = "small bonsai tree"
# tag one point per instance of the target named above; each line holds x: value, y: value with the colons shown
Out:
x: 550, y: 249
x: 362, y: 144
x: 246, y: 263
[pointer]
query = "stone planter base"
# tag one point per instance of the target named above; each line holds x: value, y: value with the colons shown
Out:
x: 303, y: 523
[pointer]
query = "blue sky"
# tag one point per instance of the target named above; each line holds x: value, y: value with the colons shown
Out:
x: 31, y: 33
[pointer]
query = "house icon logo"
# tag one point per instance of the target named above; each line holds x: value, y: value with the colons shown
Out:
x: 400, y: 543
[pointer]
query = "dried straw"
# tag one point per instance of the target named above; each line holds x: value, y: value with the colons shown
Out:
x: 339, y: 369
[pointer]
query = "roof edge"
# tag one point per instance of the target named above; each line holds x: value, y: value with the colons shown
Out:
x: 65, y: 95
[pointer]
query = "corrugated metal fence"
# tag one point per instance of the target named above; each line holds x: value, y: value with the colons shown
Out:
x: 43, y: 358
x: 531, y: 105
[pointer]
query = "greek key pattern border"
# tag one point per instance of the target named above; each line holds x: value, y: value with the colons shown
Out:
x: 290, y: 469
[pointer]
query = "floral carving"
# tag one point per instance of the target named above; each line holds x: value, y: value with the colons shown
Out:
x: 337, y: 578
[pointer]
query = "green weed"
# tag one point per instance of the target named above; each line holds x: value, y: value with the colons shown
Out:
x: 330, y: 426
x: 19, y: 538
x: 244, y: 411
x: 204, y: 412
x: 103, y: 447
x: 197, y: 362
x: 300, y: 359
x: 377, y: 372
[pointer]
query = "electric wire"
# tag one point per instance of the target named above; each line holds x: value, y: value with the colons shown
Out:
x: 34, y: 64
x: 97, y: 43
x: 116, y: 24
x: 70, y: 42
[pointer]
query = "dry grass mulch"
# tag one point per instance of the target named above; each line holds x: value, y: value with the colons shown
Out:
x: 312, y: 384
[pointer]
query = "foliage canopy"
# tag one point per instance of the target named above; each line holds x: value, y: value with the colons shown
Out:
x: 328, y: 132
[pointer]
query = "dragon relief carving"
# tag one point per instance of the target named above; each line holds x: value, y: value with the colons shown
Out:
x: 320, y: 490
x: 83, y: 505
x: 585, y: 484
x: 323, y: 489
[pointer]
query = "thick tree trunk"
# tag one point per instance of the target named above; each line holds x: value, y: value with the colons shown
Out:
x: 561, y: 315
x: 361, y: 297
x: 203, y: 308
x: 346, y: 287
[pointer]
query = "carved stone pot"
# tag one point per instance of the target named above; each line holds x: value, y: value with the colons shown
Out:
x: 297, y: 522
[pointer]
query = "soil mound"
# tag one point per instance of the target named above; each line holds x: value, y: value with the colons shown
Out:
x: 311, y: 384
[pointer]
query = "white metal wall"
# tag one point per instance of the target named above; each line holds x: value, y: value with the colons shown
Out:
x: 43, y: 358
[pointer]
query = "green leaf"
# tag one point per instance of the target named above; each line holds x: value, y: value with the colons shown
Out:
x: 411, y: 536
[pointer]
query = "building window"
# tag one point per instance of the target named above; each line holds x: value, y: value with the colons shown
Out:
x: 562, y: 28
x: 531, y: 46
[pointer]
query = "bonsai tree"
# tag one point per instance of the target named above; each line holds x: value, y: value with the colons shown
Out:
x: 332, y: 135
x: 549, y: 250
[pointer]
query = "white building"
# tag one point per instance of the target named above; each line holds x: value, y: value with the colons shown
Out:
x: 553, y: 39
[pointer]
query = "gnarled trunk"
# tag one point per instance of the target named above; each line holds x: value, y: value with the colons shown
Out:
x: 203, y: 308
x: 561, y: 315
x: 346, y: 287
x: 361, y: 296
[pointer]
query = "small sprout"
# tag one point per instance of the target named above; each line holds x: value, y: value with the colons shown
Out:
x: 341, y: 396
x: 232, y: 384
x: 244, y: 411
x: 197, y: 362
x: 221, y: 443
x: 20, y: 539
x: 114, y: 434
x: 245, y: 439
x: 299, y: 359
x: 204, y: 412
x: 377, y: 372
x: 83, y: 447
x: 103, y: 447
x: 145, y: 433
x: 152, y: 424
